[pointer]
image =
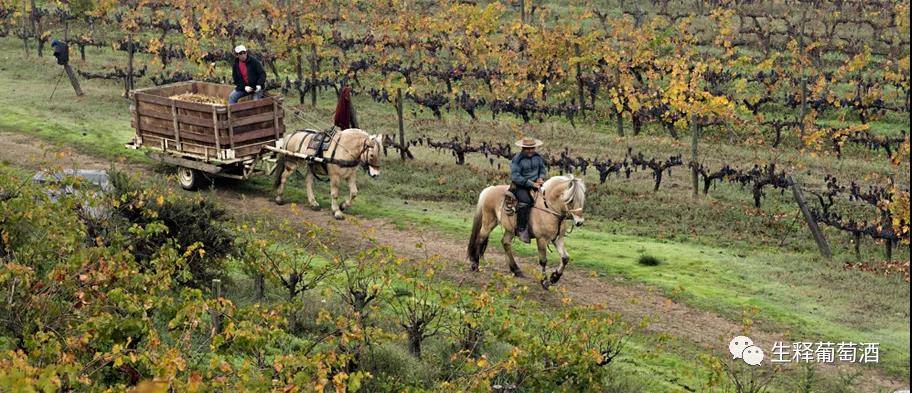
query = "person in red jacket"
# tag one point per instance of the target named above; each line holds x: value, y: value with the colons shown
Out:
x: 345, y: 113
x: 249, y: 76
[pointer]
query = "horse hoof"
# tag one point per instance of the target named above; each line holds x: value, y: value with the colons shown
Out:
x: 518, y: 273
x: 279, y: 201
x: 473, y: 267
x: 343, y: 207
x: 338, y: 215
x: 555, y: 277
x: 545, y: 284
x: 315, y: 207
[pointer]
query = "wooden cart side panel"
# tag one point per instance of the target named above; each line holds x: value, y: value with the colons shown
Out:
x: 251, y: 104
x: 167, y: 90
x: 187, y: 147
x: 184, y: 116
x: 207, y: 131
x: 168, y: 132
x: 164, y: 100
x: 213, y: 89
x: 240, y: 121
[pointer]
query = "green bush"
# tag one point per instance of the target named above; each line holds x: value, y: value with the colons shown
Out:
x: 191, y: 224
x: 649, y: 260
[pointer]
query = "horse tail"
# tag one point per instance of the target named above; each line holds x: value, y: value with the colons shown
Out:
x: 279, y: 170
x: 477, y: 244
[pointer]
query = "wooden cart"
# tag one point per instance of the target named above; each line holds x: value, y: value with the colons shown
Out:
x: 215, y: 139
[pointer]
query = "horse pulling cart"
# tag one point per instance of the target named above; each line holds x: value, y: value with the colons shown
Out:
x: 236, y: 141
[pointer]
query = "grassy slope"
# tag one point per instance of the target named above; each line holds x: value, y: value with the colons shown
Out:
x: 702, y: 246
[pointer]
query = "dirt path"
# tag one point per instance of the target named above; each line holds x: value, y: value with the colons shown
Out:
x: 633, y: 301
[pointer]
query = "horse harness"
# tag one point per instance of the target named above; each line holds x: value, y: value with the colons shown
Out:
x: 326, y: 138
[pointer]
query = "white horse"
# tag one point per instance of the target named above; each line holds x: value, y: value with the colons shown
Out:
x: 346, y: 151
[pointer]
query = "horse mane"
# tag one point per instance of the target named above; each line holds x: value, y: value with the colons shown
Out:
x: 574, y: 194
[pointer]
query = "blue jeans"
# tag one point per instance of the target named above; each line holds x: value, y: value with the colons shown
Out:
x: 238, y: 94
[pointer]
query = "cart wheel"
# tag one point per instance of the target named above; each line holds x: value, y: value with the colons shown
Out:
x: 189, y: 178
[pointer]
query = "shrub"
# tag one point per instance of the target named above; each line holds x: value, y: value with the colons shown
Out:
x: 191, y: 224
x: 649, y: 260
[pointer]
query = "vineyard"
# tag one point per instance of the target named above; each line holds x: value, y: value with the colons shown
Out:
x: 774, y: 131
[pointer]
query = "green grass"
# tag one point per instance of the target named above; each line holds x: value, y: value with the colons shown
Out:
x: 795, y: 293
x: 718, y: 253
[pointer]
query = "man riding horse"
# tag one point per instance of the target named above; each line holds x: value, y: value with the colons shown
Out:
x: 527, y: 172
x: 557, y: 200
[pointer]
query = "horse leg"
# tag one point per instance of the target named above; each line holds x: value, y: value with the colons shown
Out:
x: 308, y: 182
x: 543, y: 260
x: 487, y: 225
x: 565, y: 258
x: 334, y: 194
x: 507, y: 241
x: 352, y: 193
x: 290, y: 167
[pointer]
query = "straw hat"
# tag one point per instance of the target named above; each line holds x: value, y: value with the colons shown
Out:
x: 529, y: 142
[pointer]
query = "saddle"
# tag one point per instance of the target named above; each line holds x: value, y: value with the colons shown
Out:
x: 511, y: 202
x: 315, y: 148
x: 319, y: 142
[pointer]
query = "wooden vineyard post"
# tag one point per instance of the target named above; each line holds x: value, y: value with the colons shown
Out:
x: 297, y: 66
x: 888, y: 249
x: 802, y: 114
x: 856, y: 237
x: 811, y: 223
x: 522, y: 11
x: 579, y: 79
x: 694, y: 142
x: 399, y: 105
x: 313, y: 75
x: 73, y: 80
x: 260, y: 285
x: 128, y: 79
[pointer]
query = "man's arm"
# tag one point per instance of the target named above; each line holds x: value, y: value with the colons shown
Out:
x: 261, y: 77
x: 542, y: 169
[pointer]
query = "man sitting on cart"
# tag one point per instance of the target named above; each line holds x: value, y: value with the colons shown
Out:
x: 248, y: 74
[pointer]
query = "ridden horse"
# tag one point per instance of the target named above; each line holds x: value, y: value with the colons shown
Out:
x: 345, y: 152
x: 561, y: 198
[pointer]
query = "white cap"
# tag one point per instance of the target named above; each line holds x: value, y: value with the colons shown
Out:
x: 240, y: 48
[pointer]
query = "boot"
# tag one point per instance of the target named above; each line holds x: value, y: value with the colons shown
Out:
x: 522, y: 222
x: 525, y: 235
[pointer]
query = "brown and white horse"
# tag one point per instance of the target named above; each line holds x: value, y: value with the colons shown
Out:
x: 561, y: 198
x: 347, y: 150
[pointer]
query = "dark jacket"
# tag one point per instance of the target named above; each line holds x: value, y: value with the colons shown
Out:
x: 61, y: 52
x: 255, y: 74
x: 525, y: 170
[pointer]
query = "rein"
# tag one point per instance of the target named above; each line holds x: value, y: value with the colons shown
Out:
x: 561, y: 217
